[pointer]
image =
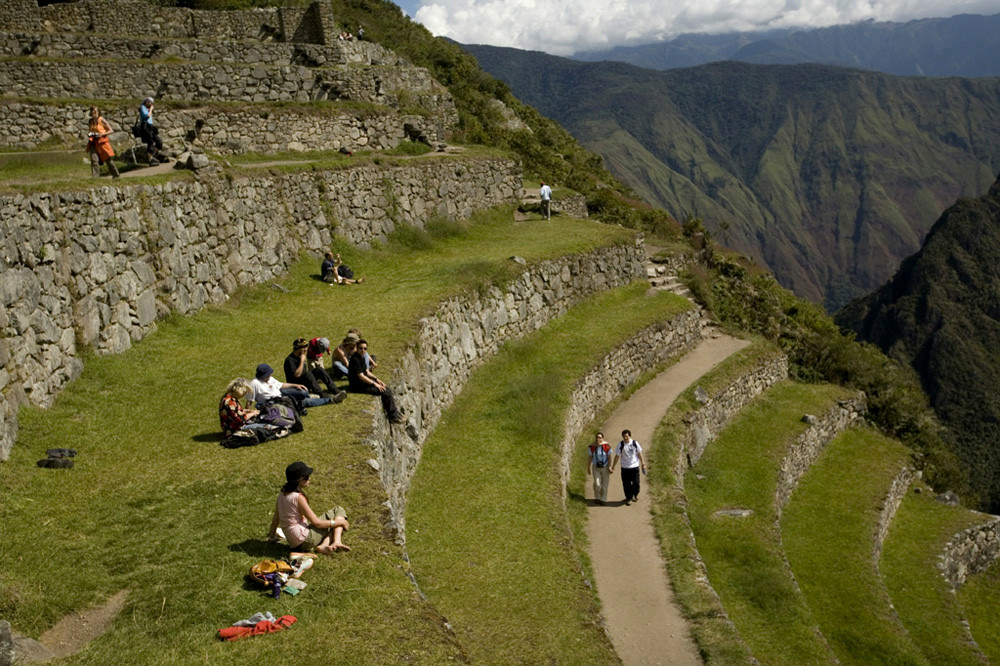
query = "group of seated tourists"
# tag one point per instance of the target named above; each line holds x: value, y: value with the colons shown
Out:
x: 265, y: 408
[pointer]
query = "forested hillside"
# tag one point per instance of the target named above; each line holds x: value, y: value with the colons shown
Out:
x: 941, y: 314
x: 829, y: 176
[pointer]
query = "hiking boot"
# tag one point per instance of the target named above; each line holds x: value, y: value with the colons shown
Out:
x: 154, y: 162
x: 397, y: 417
x: 338, y: 397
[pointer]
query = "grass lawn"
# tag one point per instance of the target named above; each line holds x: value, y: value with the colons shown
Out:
x: 979, y: 599
x: 828, y: 528
x: 155, y: 505
x: 486, y: 527
x: 717, y: 639
x: 744, y: 557
x: 925, y: 603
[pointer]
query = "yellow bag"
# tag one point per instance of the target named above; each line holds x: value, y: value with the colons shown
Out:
x: 265, y: 567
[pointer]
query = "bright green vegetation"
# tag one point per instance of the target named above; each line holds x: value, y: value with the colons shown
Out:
x: 486, y: 527
x: 717, y: 639
x: 155, y: 505
x: 828, y: 529
x: 922, y: 598
x: 979, y: 600
x: 739, y: 470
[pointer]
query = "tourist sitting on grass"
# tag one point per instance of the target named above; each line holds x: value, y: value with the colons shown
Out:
x: 99, y: 146
x: 342, y: 355
x: 317, y: 348
x: 303, y: 530
x: 297, y: 371
x: 361, y: 380
x: 336, y: 272
x: 233, y: 416
x: 267, y: 389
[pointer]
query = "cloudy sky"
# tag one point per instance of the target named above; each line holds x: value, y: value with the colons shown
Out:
x: 563, y: 27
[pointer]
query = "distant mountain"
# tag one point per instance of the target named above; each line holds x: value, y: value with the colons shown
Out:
x: 941, y: 314
x: 964, y: 45
x: 829, y: 176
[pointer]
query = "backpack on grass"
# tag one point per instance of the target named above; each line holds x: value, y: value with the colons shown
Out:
x: 281, y: 415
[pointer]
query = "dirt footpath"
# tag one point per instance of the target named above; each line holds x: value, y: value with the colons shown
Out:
x: 643, y: 620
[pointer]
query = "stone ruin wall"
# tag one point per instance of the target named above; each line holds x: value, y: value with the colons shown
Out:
x: 463, y: 333
x: 99, y: 267
x: 225, y: 131
x: 621, y: 368
x: 970, y: 552
x: 897, y: 491
x: 809, y: 445
x: 705, y: 424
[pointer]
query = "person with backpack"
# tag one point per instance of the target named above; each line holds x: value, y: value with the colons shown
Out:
x: 303, y: 529
x: 597, y: 465
x: 630, y: 453
x: 233, y: 416
x: 147, y: 132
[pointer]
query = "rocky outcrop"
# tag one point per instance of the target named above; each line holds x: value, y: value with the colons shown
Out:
x: 464, y: 331
x: 99, y: 267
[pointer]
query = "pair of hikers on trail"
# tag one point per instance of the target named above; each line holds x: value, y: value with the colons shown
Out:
x: 601, y: 466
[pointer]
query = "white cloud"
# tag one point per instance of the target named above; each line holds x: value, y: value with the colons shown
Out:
x: 563, y: 27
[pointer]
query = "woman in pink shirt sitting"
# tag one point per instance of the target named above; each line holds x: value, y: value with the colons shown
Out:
x: 303, y: 530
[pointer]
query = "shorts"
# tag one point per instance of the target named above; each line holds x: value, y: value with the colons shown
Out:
x: 316, y: 536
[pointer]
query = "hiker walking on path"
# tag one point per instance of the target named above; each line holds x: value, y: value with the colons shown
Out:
x: 149, y: 133
x: 99, y: 146
x: 597, y: 465
x: 629, y: 452
x: 545, y: 193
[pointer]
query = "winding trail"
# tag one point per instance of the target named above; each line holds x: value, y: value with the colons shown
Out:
x: 643, y: 620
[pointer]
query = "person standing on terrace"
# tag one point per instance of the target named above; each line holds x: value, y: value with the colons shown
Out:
x: 99, y: 146
x: 545, y: 194
x: 149, y: 133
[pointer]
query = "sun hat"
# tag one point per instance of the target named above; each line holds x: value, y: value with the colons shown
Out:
x: 297, y: 470
x: 264, y: 370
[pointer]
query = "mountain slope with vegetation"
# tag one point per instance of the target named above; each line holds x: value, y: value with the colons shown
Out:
x: 828, y: 176
x: 962, y: 45
x: 940, y: 314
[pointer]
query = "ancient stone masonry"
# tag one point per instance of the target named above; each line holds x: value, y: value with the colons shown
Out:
x: 893, y: 498
x: 970, y: 552
x: 466, y: 330
x: 620, y: 368
x: 253, y: 128
x: 98, y: 267
x: 705, y: 424
x: 19, y: 16
x: 808, y: 446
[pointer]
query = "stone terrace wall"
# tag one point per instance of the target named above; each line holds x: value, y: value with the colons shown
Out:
x: 19, y: 16
x: 465, y: 331
x: 893, y: 498
x: 112, y: 17
x: 98, y: 267
x: 380, y: 84
x: 706, y: 423
x: 112, y: 47
x: 620, y: 368
x: 807, y: 447
x: 237, y: 130
x: 970, y: 552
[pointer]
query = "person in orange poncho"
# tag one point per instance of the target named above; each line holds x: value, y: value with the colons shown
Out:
x: 99, y: 146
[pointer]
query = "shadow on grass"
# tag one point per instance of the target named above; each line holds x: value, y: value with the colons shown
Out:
x: 260, y: 548
x: 208, y: 437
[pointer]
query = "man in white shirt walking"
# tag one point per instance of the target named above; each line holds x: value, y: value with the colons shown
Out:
x: 546, y: 195
x: 630, y: 453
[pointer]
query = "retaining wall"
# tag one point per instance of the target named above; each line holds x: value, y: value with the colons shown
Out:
x: 463, y: 332
x: 808, y: 446
x: 220, y: 82
x: 248, y: 128
x: 98, y: 267
x: 893, y: 498
x: 970, y: 552
x: 705, y: 424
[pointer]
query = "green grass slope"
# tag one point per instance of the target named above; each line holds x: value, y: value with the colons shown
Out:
x: 486, y: 527
x: 978, y: 598
x: 156, y: 506
x: 925, y: 603
x: 828, y: 528
x: 744, y: 557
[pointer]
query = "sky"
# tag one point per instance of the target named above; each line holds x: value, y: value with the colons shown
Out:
x: 564, y: 27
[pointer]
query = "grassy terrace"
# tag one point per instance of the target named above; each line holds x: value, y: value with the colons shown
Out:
x: 828, y: 530
x: 486, y: 527
x: 924, y: 601
x: 978, y: 597
x: 744, y: 557
x: 717, y: 640
x: 154, y: 504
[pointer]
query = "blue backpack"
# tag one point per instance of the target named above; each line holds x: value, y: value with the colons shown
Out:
x: 600, y: 456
